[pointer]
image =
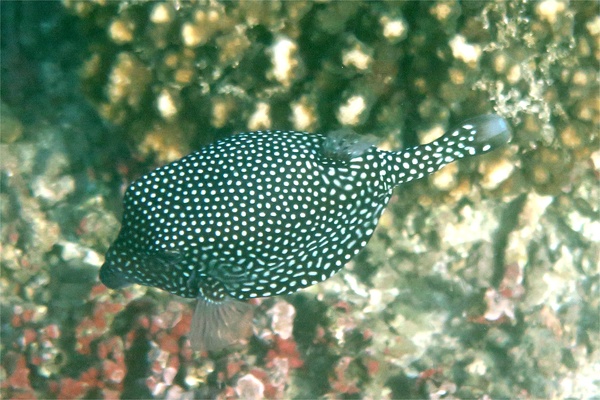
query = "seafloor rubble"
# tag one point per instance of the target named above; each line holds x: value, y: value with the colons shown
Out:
x: 480, y: 282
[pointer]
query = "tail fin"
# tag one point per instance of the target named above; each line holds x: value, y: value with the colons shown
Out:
x: 474, y: 136
x: 218, y: 324
x: 489, y: 132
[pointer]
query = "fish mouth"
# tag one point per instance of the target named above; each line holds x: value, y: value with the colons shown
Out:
x: 112, y: 278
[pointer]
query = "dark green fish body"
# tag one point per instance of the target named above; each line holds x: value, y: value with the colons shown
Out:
x: 267, y: 213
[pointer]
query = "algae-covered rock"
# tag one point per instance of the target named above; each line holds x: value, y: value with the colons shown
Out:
x: 480, y: 282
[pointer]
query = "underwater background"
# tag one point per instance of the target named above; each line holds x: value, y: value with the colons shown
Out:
x: 481, y: 281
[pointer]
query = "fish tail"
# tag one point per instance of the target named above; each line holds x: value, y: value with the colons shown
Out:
x: 218, y: 324
x: 472, y: 137
x: 489, y: 132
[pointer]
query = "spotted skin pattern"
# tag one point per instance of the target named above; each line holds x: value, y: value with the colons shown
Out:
x: 269, y: 212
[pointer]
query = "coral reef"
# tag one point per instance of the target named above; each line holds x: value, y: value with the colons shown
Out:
x: 481, y: 282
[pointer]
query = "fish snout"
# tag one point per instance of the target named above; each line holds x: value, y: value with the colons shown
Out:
x: 112, y: 277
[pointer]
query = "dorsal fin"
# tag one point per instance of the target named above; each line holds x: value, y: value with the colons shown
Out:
x: 344, y: 144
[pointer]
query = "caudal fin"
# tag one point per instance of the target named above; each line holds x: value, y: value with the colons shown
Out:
x: 489, y: 132
x: 218, y: 324
x: 472, y: 137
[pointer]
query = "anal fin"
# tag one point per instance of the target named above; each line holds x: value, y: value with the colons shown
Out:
x: 221, y: 323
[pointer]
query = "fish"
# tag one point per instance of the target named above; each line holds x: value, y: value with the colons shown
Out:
x: 267, y: 213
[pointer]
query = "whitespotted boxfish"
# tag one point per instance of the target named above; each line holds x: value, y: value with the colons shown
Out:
x: 267, y: 213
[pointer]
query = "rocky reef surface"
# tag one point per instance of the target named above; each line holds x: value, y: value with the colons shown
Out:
x: 480, y: 282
